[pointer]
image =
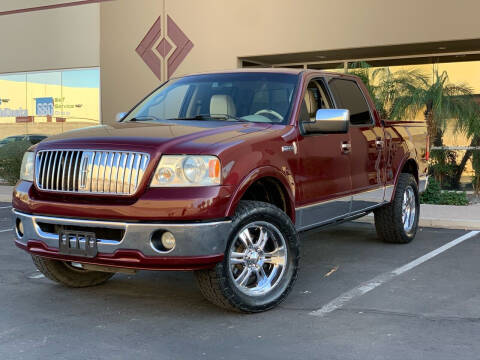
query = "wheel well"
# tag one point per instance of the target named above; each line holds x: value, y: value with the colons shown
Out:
x: 410, y: 167
x: 270, y: 190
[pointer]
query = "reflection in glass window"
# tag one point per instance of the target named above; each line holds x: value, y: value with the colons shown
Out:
x: 48, y: 102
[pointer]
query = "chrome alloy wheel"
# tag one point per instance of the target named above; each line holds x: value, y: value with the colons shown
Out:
x: 409, y: 209
x: 257, y: 258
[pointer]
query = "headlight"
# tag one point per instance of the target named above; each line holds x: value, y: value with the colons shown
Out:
x: 187, y: 170
x: 26, y: 171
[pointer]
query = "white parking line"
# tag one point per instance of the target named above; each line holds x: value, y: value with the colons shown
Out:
x: 5, y: 230
x: 5, y: 207
x: 368, y: 286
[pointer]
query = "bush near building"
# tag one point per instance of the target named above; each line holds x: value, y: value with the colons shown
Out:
x: 11, y: 156
x: 435, y: 195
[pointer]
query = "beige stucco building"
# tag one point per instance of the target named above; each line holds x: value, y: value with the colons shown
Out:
x: 138, y: 44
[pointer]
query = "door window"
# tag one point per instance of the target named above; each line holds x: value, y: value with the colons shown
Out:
x: 348, y: 95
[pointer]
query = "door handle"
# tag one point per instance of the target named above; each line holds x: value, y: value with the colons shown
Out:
x: 379, y: 143
x: 346, y: 147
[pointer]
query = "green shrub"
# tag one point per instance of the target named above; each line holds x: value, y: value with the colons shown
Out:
x: 434, y: 195
x: 11, y: 156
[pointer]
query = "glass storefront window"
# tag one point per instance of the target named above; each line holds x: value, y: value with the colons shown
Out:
x: 49, y: 102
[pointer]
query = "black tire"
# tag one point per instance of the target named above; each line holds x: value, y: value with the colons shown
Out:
x: 217, y: 284
x: 68, y: 275
x: 389, y: 220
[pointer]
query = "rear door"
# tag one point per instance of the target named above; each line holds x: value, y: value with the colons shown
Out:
x: 367, y: 158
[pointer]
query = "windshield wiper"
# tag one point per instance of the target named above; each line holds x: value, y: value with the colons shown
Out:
x: 211, y: 117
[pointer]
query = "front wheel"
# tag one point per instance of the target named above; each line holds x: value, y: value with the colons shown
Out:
x: 397, y: 222
x: 260, y: 263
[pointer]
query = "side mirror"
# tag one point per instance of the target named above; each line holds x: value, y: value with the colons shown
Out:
x: 119, y: 117
x: 328, y: 121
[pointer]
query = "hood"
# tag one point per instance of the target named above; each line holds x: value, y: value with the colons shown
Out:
x: 177, y: 137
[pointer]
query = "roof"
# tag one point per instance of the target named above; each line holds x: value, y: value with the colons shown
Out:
x: 294, y: 71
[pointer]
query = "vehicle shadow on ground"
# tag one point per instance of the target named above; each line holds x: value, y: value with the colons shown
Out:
x: 153, y: 293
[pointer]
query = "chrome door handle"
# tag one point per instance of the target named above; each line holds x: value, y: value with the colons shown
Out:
x: 346, y: 147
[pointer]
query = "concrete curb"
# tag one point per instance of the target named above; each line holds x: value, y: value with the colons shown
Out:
x: 435, y: 223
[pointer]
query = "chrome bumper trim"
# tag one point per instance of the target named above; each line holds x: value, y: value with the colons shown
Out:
x: 192, y: 239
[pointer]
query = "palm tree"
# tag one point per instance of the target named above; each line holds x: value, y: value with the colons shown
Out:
x: 440, y: 100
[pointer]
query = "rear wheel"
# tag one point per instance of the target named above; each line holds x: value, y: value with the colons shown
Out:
x: 260, y: 263
x: 69, y: 273
x: 397, y: 222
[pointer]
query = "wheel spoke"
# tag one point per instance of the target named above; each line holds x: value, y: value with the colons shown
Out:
x: 276, y: 257
x: 262, y: 278
x: 246, y: 238
x: 244, y: 276
x: 262, y: 239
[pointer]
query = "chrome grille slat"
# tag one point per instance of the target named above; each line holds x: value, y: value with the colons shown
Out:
x: 136, y: 165
x: 44, y: 167
x: 64, y: 166
x: 90, y: 171
x: 59, y: 167
x: 75, y: 167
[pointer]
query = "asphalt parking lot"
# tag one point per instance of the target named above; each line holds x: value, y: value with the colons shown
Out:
x: 431, y: 311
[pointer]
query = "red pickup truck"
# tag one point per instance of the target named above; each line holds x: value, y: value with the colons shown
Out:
x: 219, y: 173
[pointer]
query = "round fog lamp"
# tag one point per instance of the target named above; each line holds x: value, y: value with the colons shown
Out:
x: 168, y: 240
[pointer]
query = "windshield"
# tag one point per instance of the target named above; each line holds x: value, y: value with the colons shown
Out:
x: 255, y: 97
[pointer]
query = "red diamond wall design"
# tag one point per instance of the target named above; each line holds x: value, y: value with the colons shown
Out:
x: 181, y: 44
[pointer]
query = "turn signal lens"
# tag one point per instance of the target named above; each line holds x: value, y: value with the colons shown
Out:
x: 214, y: 168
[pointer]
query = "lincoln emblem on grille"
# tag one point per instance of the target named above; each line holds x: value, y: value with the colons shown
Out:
x: 84, y: 170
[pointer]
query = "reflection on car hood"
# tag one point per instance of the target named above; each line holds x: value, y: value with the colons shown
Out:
x: 174, y: 135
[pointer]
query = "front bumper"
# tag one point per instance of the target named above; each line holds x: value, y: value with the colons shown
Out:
x: 199, y: 245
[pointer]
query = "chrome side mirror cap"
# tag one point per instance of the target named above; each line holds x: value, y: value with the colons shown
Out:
x: 328, y: 121
x: 119, y: 117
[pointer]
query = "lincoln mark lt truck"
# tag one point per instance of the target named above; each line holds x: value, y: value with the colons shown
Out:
x: 219, y: 173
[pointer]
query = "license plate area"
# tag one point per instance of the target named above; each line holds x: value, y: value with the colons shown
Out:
x: 77, y: 243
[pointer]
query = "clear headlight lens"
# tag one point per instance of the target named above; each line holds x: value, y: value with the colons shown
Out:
x: 26, y: 171
x: 187, y: 170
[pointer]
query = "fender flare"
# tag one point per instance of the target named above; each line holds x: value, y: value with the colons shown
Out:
x: 257, y: 174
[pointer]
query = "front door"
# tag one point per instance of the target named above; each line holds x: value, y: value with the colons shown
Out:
x: 324, y: 176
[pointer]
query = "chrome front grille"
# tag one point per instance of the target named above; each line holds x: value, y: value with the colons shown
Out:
x: 86, y: 171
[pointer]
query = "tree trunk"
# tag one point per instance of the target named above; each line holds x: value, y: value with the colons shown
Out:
x: 431, y: 128
x: 465, y: 158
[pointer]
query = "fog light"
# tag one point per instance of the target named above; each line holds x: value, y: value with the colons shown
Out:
x: 168, y: 240
x: 19, y: 228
